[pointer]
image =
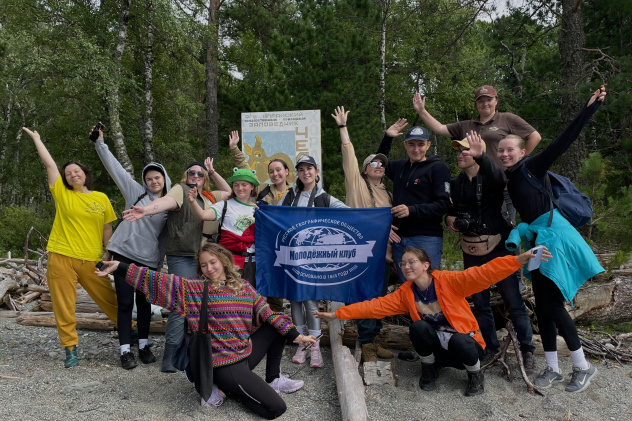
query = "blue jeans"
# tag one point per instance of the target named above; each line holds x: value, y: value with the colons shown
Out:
x: 433, y: 246
x: 185, y: 266
x: 509, y: 289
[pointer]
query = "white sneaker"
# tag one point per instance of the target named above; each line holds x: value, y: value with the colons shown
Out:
x: 300, y: 356
x: 316, y: 358
x: 216, y: 400
x: 284, y: 384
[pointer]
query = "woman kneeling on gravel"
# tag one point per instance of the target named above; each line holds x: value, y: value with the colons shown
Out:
x: 444, y: 331
x: 234, y: 308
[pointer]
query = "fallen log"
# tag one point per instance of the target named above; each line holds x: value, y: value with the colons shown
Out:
x: 7, y: 285
x: 604, y: 303
x: 90, y: 321
x: 348, y: 380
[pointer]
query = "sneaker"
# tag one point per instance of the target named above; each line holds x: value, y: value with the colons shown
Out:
x: 547, y: 378
x: 316, y: 358
x: 146, y: 356
x: 369, y: 353
x: 72, y: 360
x: 300, y: 356
x: 284, y: 384
x: 488, y: 356
x: 216, y: 400
x: 428, y: 376
x: 128, y: 361
x: 529, y: 363
x: 475, y: 383
x: 580, y: 379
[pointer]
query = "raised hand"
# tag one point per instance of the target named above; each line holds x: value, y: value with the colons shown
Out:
x: 476, y: 144
x: 419, y: 103
x: 192, y: 194
x: 598, y: 95
x: 340, y: 115
x: 34, y: 135
x: 397, y: 127
x: 233, y: 139
x: 208, y: 162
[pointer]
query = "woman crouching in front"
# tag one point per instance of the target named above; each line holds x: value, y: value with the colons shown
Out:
x: 444, y: 331
x: 234, y: 309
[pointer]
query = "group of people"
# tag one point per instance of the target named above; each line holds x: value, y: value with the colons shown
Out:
x: 208, y: 237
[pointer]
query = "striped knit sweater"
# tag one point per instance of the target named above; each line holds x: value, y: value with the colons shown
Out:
x: 231, y: 317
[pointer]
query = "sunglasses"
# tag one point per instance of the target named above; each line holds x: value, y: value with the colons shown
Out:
x: 192, y: 173
x: 460, y: 151
x: 375, y: 164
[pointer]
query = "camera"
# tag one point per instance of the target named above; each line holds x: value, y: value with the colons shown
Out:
x: 466, y: 224
x: 95, y: 133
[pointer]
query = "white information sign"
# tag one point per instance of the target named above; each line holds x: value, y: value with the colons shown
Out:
x: 285, y: 135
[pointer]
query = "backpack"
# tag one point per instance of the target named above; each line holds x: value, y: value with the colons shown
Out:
x: 573, y: 205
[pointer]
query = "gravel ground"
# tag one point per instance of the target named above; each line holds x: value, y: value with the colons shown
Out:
x: 99, y: 389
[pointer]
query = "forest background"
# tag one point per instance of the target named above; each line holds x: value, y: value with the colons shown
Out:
x: 170, y: 79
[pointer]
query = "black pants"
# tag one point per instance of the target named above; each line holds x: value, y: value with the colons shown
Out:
x: 551, y: 313
x: 125, y: 297
x: 462, y: 348
x: 240, y: 383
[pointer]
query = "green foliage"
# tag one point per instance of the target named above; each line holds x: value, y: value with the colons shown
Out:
x: 15, y: 223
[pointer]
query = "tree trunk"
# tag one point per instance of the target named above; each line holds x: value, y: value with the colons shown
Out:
x: 212, y: 118
x: 571, y: 43
x: 147, y: 129
x: 113, y: 101
x: 387, y: 5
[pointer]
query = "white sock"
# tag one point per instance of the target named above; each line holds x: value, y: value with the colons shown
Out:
x: 142, y: 343
x: 551, y: 360
x: 472, y: 368
x: 124, y: 349
x: 579, y: 360
x: 428, y: 359
x: 315, y: 333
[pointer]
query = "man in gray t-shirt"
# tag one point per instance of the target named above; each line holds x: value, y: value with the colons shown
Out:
x: 490, y: 124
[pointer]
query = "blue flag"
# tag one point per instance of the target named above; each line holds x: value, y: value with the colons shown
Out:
x: 321, y: 253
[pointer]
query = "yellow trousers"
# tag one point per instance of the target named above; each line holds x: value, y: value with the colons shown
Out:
x: 63, y: 274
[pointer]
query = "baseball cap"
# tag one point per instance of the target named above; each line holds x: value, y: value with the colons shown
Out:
x: 306, y: 159
x: 485, y: 90
x: 465, y: 144
x: 417, y: 132
x: 371, y: 157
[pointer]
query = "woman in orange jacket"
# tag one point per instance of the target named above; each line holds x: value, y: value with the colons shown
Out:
x: 444, y: 331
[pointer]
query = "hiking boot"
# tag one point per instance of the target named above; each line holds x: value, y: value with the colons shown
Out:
x: 529, y: 363
x: 488, y: 356
x: 284, y: 384
x: 316, y: 358
x: 580, y: 379
x: 475, y: 383
x: 72, y: 360
x: 383, y: 352
x: 547, y: 378
x: 167, y: 367
x: 369, y: 353
x: 429, y: 374
x: 300, y: 356
x: 146, y: 356
x: 128, y: 361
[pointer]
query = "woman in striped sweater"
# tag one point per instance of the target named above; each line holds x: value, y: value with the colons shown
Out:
x: 234, y: 309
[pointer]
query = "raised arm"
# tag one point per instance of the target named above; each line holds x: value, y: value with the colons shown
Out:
x: 433, y: 124
x: 239, y: 159
x: 51, y: 168
x: 340, y: 115
x: 202, y: 214
x: 219, y: 181
x: 392, y: 132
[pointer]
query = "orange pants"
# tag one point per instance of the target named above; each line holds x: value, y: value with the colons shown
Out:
x: 63, y: 274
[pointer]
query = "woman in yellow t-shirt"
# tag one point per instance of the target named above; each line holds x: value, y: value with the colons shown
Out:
x: 81, y: 229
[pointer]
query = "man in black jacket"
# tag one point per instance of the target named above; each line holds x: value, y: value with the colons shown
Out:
x: 477, y: 197
x: 420, y: 194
